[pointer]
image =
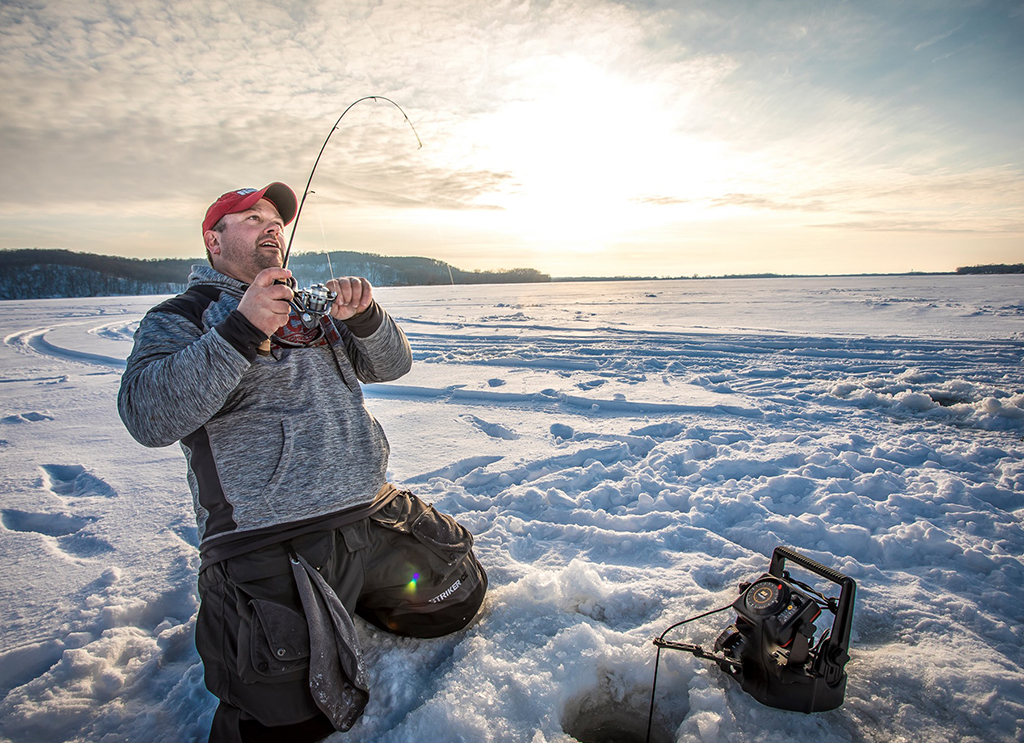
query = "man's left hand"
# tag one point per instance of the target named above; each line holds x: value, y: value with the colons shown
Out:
x: 354, y: 296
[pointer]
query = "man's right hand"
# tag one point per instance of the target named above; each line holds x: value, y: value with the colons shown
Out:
x: 265, y: 304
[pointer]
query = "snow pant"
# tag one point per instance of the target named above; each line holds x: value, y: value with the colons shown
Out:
x: 407, y: 569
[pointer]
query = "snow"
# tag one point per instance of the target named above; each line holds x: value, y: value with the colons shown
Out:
x: 626, y: 453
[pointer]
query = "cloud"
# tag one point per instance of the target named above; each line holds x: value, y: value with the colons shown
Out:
x: 940, y: 37
x: 140, y: 100
x: 560, y: 124
x: 764, y: 202
x: 977, y: 201
x: 918, y: 226
x: 405, y: 186
x: 662, y: 200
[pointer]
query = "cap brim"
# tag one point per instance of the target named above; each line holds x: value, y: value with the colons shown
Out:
x: 282, y: 197
x: 278, y: 194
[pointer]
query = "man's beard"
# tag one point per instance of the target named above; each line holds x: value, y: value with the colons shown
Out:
x: 252, y: 259
x: 267, y: 259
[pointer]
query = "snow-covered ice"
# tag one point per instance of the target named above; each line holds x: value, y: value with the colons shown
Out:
x: 626, y: 454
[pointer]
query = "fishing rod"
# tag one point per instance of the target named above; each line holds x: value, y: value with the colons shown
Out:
x: 314, y: 302
x: 306, y: 191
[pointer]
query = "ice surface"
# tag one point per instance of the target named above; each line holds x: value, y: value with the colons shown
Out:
x: 626, y: 454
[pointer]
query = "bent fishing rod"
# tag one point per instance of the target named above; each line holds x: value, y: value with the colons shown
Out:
x: 306, y: 191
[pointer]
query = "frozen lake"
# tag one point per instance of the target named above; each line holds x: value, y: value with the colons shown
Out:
x: 626, y: 453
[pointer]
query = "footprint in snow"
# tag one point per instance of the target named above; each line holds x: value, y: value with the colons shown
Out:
x: 50, y: 524
x: 65, y: 529
x: 68, y: 532
x: 73, y: 480
x: 187, y: 531
x: 30, y: 417
x: 494, y: 430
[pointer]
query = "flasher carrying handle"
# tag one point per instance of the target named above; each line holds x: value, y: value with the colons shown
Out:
x: 834, y: 655
x: 781, y: 554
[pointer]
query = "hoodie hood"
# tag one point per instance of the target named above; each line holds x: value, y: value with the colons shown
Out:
x: 204, y: 274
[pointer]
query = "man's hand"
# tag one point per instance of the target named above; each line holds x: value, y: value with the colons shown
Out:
x: 265, y: 304
x: 354, y: 296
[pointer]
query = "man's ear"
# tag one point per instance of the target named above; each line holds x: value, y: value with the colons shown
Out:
x: 212, y: 240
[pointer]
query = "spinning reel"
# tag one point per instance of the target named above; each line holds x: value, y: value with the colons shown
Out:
x: 311, y: 303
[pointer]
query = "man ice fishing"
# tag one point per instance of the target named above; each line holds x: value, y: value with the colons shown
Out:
x: 299, y: 529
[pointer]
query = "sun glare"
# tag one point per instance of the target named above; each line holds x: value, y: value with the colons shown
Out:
x: 591, y: 151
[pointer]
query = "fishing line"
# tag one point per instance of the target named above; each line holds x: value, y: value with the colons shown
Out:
x: 306, y: 191
x: 657, y: 660
x: 319, y: 215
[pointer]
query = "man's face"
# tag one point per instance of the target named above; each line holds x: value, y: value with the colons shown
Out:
x: 251, y: 241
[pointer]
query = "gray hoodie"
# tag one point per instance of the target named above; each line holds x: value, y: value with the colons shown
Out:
x: 273, y: 441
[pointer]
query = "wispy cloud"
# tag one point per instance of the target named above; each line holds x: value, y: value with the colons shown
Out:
x: 940, y: 37
x: 662, y: 200
x: 923, y: 226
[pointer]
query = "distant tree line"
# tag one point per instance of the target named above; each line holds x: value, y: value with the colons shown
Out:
x: 40, y: 274
x: 992, y: 268
x: 43, y: 274
x: 50, y: 281
x: 384, y: 270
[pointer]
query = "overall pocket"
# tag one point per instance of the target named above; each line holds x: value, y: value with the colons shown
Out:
x: 439, y: 533
x: 443, y: 535
x: 273, y: 637
x: 278, y: 640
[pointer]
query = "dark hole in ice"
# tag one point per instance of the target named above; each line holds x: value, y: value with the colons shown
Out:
x: 596, y: 720
x: 947, y: 401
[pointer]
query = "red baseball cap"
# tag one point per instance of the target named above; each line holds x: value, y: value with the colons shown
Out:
x: 233, y: 202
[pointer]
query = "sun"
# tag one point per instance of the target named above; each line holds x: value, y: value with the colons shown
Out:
x: 586, y: 147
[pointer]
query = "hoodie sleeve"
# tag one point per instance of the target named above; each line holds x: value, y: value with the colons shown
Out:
x: 376, y: 346
x: 177, y: 377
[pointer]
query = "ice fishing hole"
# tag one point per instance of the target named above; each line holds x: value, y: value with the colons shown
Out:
x: 598, y: 719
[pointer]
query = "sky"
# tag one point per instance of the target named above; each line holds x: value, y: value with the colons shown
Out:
x: 579, y: 138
